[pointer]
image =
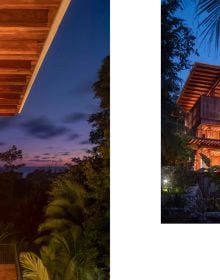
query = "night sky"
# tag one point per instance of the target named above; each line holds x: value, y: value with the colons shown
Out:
x: 52, y: 127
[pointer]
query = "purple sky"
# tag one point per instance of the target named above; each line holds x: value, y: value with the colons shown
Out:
x: 52, y: 127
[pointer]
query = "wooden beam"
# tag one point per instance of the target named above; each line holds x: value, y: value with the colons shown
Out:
x: 7, y: 114
x: 189, y: 97
x: 30, y: 57
x: 12, y: 71
x: 11, y: 88
x: 17, y: 47
x: 20, y: 29
x: 28, y: 34
x: 13, y: 78
x: 202, y: 77
x: 20, y: 17
x: 23, y: 64
x: 201, y: 81
x: 8, y: 111
x: 8, y: 83
x: 11, y: 95
x: 8, y: 107
x: 5, y: 101
x: 206, y: 66
x: 195, y: 88
x: 211, y: 91
x: 203, y: 74
x: 208, y: 71
x: 28, y: 4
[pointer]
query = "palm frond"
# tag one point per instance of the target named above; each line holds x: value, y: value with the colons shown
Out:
x: 54, y: 224
x: 60, y: 202
x: 33, y: 267
x: 209, y: 10
x: 71, y: 271
x: 205, y: 159
x: 55, y: 211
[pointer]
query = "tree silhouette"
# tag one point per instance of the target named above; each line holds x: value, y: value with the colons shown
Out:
x: 177, y: 44
x: 11, y: 156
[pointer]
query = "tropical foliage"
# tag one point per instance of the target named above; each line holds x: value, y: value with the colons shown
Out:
x: 177, y: 44
x: 208, y: 12
x: 33, y: 267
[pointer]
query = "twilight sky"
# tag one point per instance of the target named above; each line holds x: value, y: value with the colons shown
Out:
x: 207, y: 53
x: 52, y: 127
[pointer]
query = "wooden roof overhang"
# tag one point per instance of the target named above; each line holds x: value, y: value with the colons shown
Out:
x: 27, y: 28
x: 204, y: 79
x: 205, y: 142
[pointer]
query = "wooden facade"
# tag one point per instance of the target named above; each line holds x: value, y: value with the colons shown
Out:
x: 200, y: 100
x: 27, y: 28
x: 205, y: 111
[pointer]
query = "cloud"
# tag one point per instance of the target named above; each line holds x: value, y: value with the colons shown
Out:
x: 65, y: 154
x: 6, y: 122
x: 46, y: 154
x: 73, y: 136
x: 2, y: 143
x: 41, y: 160
x: 84, y: 150
x: 43, y: 128
x: 75, y: 117
x: 36, y: 156
x: 85, y: 142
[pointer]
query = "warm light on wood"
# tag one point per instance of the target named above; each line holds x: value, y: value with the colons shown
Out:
x: 200, y: 100
x: 27, y: 29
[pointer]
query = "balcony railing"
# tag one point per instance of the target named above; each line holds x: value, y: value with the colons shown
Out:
x: 9, y: 255
x: 208, y: 134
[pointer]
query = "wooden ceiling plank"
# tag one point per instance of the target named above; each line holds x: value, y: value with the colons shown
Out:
x: 17, y: 47
x: 8, y: 106
x: 28, y: 4
x: 204, y: 74
x: 39, y: 35
x: 203, y: 77
x: 14, y: 78
x: 206, y: 66
x: 11, y: 88
x: 20, y: 17
x: 202, y: 81
x: 7, y: 114
x: 8, y: 111
x: 30, y: 57
x: 11, y: 83
x: 209, y: 72
x: 18, y: 71
x: 11, y: 95
x: 211, y: 90
x: 12, y: 101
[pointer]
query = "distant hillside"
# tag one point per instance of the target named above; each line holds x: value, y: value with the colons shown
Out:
x: 29, y: 169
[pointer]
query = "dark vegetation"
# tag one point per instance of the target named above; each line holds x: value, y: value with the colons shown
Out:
x: 61, y: 220
x: 177, y: 44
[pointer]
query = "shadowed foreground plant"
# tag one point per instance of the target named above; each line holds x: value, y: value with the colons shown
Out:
x: 65, y: 209
x: 33, y: 267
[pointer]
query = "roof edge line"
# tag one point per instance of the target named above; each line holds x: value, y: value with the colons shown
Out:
x: 55, y: 25
x: 194, y: 65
